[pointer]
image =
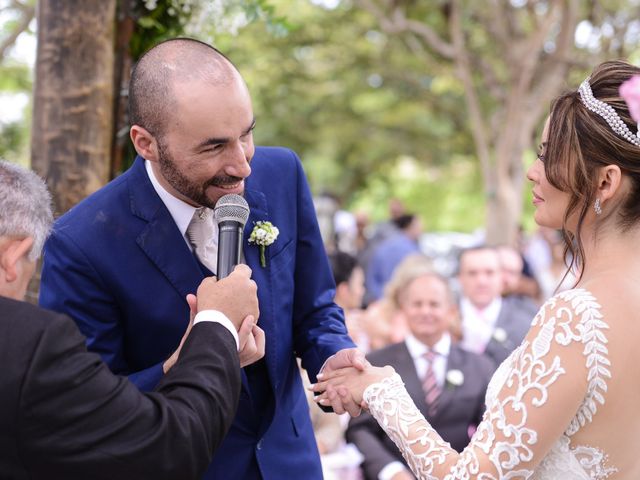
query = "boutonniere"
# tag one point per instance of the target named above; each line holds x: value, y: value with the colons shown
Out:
x: 263, y: 235
x: 500, y: 335
x: 455, y: 378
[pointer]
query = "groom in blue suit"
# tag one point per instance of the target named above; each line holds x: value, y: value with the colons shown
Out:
x: 120, y: 262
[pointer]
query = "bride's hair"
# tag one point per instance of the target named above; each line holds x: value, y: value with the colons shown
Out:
x: 581, y: 141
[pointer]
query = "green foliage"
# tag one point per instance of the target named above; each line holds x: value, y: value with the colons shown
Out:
x: 15, y: 77
x: 357, y: 105
x: 158, y: 20
x: 13, y: 139
x: 372, y: 116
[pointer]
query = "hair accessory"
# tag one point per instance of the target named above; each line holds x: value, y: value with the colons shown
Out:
x: 607, y: 112
x: 597, y: 207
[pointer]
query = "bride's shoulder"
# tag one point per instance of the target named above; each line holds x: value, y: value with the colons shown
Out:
x: 577, y: 308
x: 575, y: 300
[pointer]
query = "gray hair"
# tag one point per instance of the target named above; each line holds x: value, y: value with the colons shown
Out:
x: 25, y: 206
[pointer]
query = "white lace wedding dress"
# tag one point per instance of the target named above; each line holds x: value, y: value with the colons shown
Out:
x: 539, y: 398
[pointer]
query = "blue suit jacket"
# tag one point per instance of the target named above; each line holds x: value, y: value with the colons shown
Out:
x: 119, y: 266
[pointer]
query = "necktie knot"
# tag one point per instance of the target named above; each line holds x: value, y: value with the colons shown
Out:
x: 430, y: 355
x: 202, y: 213
x: 200, y: 235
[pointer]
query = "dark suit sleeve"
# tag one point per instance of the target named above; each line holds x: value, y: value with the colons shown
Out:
x: 81, y: 421
x: 485, y: 368
x: 365, y: 433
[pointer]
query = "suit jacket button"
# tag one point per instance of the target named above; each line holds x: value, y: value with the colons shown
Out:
x: 259, y: 445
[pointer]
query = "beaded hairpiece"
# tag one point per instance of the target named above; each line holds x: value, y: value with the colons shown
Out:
x: 607, y: 112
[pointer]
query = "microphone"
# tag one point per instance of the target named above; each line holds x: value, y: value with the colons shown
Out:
x: 230, y: 213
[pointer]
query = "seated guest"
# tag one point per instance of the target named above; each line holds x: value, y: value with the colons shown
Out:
x: 388, y: 255
x: 491, y: 324
x: 515, y: 284
x: 349, y: 278
x: 447, y: 383
x: 63, y: 414
x: 383, y: 320
x: 340, y: 461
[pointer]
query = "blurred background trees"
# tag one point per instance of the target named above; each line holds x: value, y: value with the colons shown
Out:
x: 438, y: 103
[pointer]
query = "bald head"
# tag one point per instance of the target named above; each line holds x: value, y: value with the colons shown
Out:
x: 182, y: 60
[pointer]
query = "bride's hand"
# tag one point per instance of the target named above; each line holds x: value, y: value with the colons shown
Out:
x: 348, y: 382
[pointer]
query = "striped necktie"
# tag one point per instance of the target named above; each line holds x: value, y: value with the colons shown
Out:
x: 430, y: 385
x: 200, y: 235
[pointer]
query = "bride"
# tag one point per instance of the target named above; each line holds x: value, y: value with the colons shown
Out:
x: 565, y: 404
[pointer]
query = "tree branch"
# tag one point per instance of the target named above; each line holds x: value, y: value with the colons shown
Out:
x: 463, y: 66
x: 27, y: 14
x: 553, y: 71
x: 397, y: 22
x: 490, y: 80
x: 495, y: 22
x: 533, y: 47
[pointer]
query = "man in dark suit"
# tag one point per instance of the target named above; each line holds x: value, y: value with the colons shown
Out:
x: 491, y: 324
x: 192, y: 124
x: 63, y: 414
x: 447, y: 383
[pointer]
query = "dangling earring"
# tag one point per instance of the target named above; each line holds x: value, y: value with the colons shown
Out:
x: 597, y: 207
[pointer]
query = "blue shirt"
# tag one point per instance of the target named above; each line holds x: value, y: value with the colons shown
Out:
x: 384, y: 261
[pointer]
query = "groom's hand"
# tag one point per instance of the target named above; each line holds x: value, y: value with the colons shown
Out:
x: 347, y: 357
x: 339, y: 397
x: 252, y: 342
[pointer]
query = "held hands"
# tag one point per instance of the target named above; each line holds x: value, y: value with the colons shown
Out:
x: 236, y: 297
x: 347, y: 357
x: 252, y: 341
x: 346, y: 386
x: 238, y: 300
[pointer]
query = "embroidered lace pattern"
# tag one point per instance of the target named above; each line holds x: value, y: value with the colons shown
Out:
x: 522, y: 434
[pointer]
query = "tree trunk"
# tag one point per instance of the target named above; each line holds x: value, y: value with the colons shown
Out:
x: 73, y: 97
x: 122, y: 75
x: 504, y: 207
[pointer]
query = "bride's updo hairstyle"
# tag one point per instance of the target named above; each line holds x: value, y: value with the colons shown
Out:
x: 585, y: 134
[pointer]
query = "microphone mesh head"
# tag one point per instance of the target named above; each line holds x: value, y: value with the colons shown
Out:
x: 231, y: 207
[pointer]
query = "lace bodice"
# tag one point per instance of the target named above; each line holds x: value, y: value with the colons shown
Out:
x: 542, y: 395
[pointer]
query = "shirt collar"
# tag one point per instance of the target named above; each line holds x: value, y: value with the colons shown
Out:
x: 491, y: 311
x: 180, y: 211
x: 417, y: 349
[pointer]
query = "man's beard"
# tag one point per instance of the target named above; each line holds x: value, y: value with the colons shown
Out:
x: 191, y: 190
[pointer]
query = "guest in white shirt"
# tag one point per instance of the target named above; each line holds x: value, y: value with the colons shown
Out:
x: 491, y: 324
x: 447, y: 383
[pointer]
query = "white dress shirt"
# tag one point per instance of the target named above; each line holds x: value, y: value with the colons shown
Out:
x: 417, y: 349
x: 182, y: 213
x: 478, y: 325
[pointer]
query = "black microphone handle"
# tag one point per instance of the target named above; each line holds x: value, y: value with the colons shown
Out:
x: 229, y: 245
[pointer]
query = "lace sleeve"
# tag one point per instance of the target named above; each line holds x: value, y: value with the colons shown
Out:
x: 551, y: 385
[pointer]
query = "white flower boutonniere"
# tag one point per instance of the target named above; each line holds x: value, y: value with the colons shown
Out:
x: 500, y: 335
x: 263, y: 235
x: 455, y: 377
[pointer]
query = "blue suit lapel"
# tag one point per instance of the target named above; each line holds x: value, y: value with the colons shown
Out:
x: 160, y: 239
x: 262, y: 276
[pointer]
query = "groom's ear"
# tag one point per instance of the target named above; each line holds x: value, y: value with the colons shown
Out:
x: 145, y: 144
